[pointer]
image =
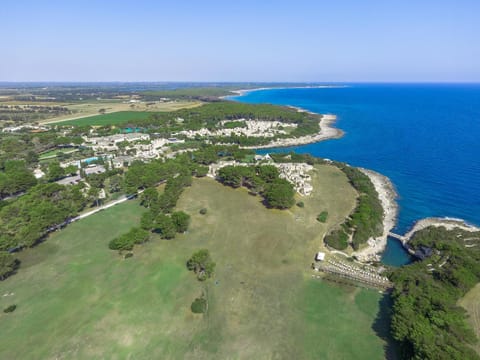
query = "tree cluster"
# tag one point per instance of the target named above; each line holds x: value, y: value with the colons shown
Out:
x: 426, y: 321
x: 44, y: 208
x: 128, y: 240
x: 263, y: 180
x: 15, y: 178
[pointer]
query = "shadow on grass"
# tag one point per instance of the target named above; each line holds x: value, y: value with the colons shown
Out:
x: 381, y: 326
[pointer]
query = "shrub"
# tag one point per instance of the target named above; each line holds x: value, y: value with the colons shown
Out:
x: 300, y: 204
x: 203, y: 211
x: 10, y: 308
x: 337, y: 239
x: 322, y: 217
x: 199, y: 306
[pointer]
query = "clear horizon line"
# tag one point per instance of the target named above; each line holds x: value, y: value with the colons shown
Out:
x: 232, y: 82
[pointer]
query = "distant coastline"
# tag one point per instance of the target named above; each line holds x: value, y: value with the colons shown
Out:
x: 242, y: 92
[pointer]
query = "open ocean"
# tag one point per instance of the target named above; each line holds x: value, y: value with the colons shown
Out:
x: 424, y: 137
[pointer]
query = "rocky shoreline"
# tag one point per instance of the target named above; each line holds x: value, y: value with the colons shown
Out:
x: 387, y: 196
x: 327, y: 131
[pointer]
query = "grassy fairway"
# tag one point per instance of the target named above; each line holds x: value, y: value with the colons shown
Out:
x: 117, y: 113
x: 90, y: 109
x: 108, y: 119
x: 77, y: 299
x: 471, y: 303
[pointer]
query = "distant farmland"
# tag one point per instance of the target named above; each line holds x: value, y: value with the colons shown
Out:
x: 115, y: 118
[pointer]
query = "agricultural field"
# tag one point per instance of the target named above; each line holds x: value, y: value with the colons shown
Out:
x: 88, y: 113
x: 78, y: 299
x: 471, y: 303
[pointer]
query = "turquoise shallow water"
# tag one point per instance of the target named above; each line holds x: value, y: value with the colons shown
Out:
x: 424, y: 137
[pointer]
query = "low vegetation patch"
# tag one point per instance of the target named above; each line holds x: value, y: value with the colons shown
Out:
x: 10, y: 308
x: 199, y: 305
x: 323, y: 216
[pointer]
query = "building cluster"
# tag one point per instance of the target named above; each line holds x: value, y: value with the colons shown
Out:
x: 295, y: 173
x: 31, y: 128
x: 251, y: 128
x: 111, y: 142
x: 139, y: 146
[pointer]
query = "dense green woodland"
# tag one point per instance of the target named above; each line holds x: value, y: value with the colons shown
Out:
x: 426, y: 321
x: 25, y: 221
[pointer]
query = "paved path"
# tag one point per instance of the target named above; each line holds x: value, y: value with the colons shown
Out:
x: 106, y: 206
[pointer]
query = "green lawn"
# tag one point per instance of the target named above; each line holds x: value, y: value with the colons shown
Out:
x: 115, y: 118
x: 471, y: 303
x: 54, y: 153
x: 78, y: 299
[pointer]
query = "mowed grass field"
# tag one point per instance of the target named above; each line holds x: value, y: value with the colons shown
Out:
x: 117, y: 113
x: 78, y: 299
x: 471, y: 303
x: 115, y: 118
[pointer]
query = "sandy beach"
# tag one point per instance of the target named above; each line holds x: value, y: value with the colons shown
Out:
x: 387, y: 195
x: 327, y: 131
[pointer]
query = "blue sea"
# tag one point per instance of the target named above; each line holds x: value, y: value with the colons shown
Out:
x: 424, y: 137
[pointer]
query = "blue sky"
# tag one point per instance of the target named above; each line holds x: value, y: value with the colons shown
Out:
x: 317, y: 41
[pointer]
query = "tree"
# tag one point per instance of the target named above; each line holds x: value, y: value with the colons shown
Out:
x: 201, y: 171
x: 115, y: 183
x: 147, y: 220
x: 268, y: 173
x: 149, y: 197
x: 181, y: 221
x: 201, y: 264
x: 8, y: 265
x: 55, y: 171
x: 280, y: 194
x: 15, y: 178
x: 94, y: 195
x: 337, y: 239
x: 71, y: 170
x: 165, y: 226
x: 128, y: 240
